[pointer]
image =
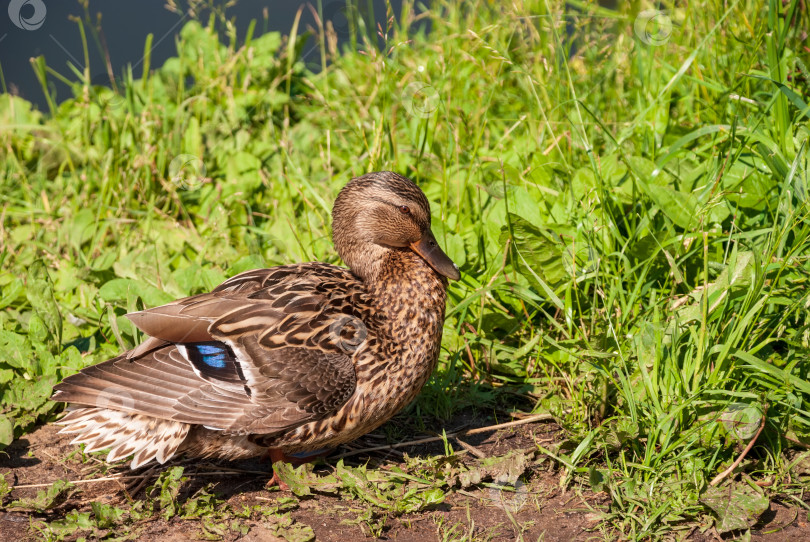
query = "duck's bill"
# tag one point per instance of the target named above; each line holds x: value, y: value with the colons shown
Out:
x: 429, y: 250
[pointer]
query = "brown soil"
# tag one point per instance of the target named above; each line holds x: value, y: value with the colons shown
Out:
x: 541, y: 511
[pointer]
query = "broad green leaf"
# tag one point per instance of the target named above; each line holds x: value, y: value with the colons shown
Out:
x: 6, y: 431
x: 290, y: 530
x: 106, y: 515
x: 122, y: 290
x: 82, y: 227
x: 39, y: 290
x: 246, y: 263
x: 678, y: 206
x: 11, y: 292
x: 737, y: 506
x: 15, y: 349
x: 542, y: 249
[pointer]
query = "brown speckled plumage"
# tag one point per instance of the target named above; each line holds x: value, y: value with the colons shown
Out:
x: 293, y: 358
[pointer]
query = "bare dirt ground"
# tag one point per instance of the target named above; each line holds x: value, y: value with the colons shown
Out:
x: 542, y: 510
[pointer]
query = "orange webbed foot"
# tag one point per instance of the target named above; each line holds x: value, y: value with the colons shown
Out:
x: 275, y: 456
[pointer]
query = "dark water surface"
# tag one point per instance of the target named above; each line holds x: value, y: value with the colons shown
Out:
x: 29, y: 28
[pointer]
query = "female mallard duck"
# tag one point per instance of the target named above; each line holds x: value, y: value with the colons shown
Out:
x: 290, y: 359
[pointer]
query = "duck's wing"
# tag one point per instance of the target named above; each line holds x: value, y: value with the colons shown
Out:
x: 265, y: 351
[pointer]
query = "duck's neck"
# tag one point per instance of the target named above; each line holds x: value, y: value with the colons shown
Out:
x: 406, y: 289
x: 409, y: 297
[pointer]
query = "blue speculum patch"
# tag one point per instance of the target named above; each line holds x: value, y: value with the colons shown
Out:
x: 211, y: 354
x: 215, y: 360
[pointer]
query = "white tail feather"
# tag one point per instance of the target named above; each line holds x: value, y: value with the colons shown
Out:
x: 125, y: 434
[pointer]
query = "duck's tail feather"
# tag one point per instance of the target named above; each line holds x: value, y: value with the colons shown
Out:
x: 126, y: 434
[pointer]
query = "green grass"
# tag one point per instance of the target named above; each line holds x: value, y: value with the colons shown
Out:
x: 631, y: 220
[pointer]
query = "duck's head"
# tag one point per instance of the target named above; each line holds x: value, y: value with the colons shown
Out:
x: 383, y: 212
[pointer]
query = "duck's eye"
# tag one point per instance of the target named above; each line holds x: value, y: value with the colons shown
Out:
x: 404, y: 209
